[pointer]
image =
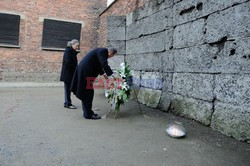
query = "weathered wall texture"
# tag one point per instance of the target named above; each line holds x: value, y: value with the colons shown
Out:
x: 118, y: 7
x: 200, y: 52
x: 116, y: 38
x: 29, y: 62
x: 112, y: 29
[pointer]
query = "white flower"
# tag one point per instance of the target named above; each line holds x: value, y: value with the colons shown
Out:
x: 106, y: 93
x: 122, y: 65
x: 123, y: 75
x: 125, y: 86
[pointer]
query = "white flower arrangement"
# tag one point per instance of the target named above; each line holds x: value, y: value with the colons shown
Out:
x: 120, y: 90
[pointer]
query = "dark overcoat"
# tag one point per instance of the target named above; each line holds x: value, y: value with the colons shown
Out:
x: 93, y: 64
x: 69, y: 65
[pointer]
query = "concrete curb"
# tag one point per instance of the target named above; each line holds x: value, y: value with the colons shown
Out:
x: 30, y: 84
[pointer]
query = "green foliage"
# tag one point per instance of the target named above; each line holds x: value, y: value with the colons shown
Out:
x: 119, y: 94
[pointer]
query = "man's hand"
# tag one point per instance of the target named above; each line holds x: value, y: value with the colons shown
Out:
x: 105, y: 76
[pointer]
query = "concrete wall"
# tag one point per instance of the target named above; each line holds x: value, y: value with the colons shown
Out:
x: 29, y: 62
x: 112, y: 29
x: 116, y: 27
x: 200, y: 52
x: 118, y: 7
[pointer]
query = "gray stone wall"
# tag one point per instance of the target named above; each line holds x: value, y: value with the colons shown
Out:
x: 116, y: 30
x: 199, y: 51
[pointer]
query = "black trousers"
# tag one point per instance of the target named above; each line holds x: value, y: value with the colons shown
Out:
x: 87, y: 103
x: 67, y: 93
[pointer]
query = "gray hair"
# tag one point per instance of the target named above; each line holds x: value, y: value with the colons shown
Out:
x: 72, y: 42
x: 113, y: 50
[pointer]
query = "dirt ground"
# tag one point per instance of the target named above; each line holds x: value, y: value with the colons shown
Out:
x: 36, y: 130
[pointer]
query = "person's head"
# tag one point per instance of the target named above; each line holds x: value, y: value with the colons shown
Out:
x: 74, y: 44
x: 112, y: 52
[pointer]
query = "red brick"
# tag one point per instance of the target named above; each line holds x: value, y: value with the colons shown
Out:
x: 30, y: 62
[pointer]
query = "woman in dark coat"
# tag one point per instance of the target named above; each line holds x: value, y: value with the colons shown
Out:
x: 93, y: 64
x: 68, y: 68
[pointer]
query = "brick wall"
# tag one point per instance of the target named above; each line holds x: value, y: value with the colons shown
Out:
x: 29, y: 62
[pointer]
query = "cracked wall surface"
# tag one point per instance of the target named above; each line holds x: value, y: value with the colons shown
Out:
x: 200, y: 51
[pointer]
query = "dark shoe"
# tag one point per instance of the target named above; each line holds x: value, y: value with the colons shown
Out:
x: 94, y: 116
x: 70, y: 106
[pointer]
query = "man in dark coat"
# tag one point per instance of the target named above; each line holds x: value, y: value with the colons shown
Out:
x: 93, y: 64
x: 68, y: 68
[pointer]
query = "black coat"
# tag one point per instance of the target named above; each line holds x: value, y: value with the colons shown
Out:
x: 93, y: 64
x: 69, y: 65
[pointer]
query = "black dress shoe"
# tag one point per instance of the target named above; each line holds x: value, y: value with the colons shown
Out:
x: 94, y: 116
x: 70, y: 106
